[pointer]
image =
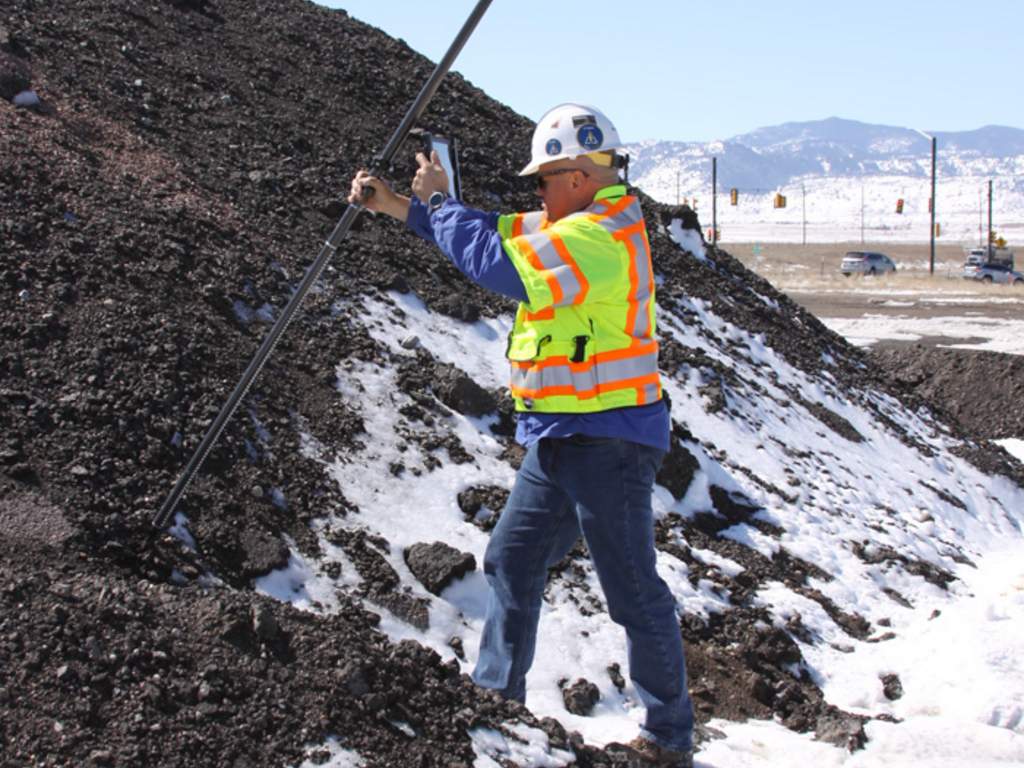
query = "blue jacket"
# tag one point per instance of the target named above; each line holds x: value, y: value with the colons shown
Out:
x: 470, y: 239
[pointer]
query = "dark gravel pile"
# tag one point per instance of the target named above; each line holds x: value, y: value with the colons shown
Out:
x: 981, y: 391
x: 157, y: 208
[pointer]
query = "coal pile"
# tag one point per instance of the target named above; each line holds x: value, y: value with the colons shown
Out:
x: 982, y: 391
x: 158, y: 204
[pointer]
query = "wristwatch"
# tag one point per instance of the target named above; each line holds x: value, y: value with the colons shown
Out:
x: 436, y: 200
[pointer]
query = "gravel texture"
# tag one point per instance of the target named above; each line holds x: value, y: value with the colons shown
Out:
x: 157, y: 209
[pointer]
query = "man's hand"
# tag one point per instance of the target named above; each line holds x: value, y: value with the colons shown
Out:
x: 382, y: 199
x: 430, y: 177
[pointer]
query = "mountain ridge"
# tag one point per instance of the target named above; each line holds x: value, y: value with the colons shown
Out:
x: 844, y: 162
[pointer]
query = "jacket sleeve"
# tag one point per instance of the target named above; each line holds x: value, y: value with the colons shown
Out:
x: 470, y: 240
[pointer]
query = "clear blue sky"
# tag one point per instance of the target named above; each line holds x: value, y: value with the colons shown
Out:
x: 701, y: 70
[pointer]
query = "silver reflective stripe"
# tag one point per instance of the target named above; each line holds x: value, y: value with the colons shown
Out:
x: 551, y: 261
x: 554, y: 376
x: 650, y: 393
x: 585, y: 380
x: 532, y: 222
x: 631, y: 215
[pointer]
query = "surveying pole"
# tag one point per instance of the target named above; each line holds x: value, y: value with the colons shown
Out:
x: 328, y: 249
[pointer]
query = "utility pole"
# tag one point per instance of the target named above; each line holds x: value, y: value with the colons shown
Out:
x: 714, y: 200
x: 803, y: 196
x: 989, y: 238
x: 981, y: 217
x: 933, y: 206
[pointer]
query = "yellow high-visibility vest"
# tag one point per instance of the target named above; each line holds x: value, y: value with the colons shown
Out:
x: 585, y: 340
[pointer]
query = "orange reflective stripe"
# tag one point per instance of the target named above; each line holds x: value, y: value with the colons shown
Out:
x: 633, y: 306
x: 517, y: 225
x: 548, y: 313
x: 564, y: 254
x: 629, y: 230
x: 535, y: 262
x: 641, y: 392
x: 636, y: 383
x: 611, y: 209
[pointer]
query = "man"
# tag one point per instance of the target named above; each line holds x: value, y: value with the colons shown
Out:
x: 585, y: 382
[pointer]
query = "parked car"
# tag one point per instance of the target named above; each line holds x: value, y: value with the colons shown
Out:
x: 993, y: 273
x: 866, y: 263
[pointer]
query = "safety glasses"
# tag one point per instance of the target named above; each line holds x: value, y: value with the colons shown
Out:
x: 542, y: 178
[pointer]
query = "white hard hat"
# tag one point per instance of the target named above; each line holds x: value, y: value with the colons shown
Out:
x: 567, y: 131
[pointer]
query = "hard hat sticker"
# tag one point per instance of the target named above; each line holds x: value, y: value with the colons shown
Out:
x: 590, y: 137
x: 553, y: 147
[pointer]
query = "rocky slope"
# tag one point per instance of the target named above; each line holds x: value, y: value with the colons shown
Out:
x: 157, y: 208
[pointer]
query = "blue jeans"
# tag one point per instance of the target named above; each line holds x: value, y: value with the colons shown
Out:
x: 602, y: 487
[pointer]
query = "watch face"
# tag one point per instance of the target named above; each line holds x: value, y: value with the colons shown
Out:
x: 435, y: 200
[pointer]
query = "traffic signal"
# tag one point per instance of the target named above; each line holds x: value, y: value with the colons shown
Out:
x: 780, y: 200
x: 938, y: 229
x: 899, y: 205
x: 734, y: 196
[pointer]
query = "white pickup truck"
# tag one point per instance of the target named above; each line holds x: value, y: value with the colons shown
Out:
x: 992, y: 265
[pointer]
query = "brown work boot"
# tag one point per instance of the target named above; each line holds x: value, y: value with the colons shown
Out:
x: 642, y: 753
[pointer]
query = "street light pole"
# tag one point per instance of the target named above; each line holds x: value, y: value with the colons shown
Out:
x: 988, y: 239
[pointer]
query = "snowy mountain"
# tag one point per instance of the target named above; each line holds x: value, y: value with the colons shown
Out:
x: 834, y: 168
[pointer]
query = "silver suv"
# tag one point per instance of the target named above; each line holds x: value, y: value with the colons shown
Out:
x: 991, y: 265
x: 866, y: 263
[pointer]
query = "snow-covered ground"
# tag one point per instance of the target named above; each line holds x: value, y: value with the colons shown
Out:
x: 986, y: 333
x: 957, y: 653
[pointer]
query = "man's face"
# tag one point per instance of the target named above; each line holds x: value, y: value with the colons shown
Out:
x: 562, y: 188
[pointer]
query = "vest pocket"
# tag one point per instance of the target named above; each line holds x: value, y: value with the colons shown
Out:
x: 522, y: 348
